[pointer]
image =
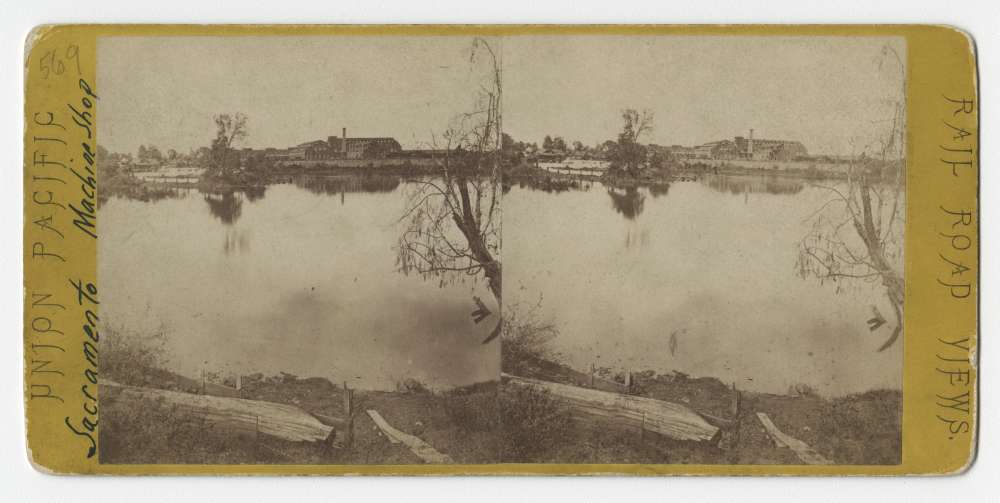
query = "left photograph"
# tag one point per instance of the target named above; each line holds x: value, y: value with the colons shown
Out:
x: 300, y: 249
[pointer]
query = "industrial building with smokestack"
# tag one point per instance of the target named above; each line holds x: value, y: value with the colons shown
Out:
x: 334, y: 147
x: 746, y: 148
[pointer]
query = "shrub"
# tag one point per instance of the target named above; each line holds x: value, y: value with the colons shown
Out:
x: 151, y: 431
x: 473, y: 412
x: 533, y: 424
x: 412, y: 386
x: 128, y: 358
x: 524, y: 338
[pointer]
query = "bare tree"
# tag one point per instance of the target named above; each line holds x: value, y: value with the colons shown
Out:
x: 857, y: 235
x: 452, y: 220
x: 230, y: 129
x: 629, y: 153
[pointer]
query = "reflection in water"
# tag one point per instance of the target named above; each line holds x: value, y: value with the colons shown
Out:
x: 659, y: 189
x: 227, y: 206
x: 754, y: 184
x: 236, y: 241
x: 638, y: 238
x: 317, y: 293
x: 549, y: 184
x: 138, y: 191
x: 697, y: 281
x: 255, y: 193
x: 330, y: 185
x: 629, y: 203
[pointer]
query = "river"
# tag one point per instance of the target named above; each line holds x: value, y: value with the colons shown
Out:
x: 297, y: 277
x: 697, y: 277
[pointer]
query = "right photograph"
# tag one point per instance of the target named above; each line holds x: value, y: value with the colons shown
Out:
x: 703, y: 247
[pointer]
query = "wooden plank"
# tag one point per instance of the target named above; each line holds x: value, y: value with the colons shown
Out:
x: 422, y: 449
x: 801, y: 449
x: 286, y: 422
x: 666, y: 418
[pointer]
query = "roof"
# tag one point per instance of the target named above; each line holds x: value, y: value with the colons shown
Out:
x: 374, y: 138
x: 312, y: 143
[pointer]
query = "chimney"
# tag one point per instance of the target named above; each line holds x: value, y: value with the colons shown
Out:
x: 750, y: 147
x: 343, y: 143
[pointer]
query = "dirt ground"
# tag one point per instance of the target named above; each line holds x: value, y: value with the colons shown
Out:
x: 860, y: 428
x: 487, y: 423
x: 456, y: 423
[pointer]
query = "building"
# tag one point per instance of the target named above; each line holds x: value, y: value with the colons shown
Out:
x: 317, y: 150
x: 722, y: 149
x: 363, y: 148
x: 332, y: 148
x: 749, y: 148
x: 769, y: 150
x: 681, y: 152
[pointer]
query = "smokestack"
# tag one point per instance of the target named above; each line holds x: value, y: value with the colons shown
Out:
x: 343, y: 142
x: 750, y: 147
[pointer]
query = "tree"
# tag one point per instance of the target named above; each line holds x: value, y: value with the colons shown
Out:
x: 607, y: 148
x: 547, y: 143
x: 628, y: 153
x: 578, y: 146
x: 452, y: 221
x: 202, y: 157
x: 558, y: 143
x: 149, y: 154
x: 658, y: 160
x: 507, y: 143
x: 102, y: 154
x: 230, y: 129
x: 857, y: 234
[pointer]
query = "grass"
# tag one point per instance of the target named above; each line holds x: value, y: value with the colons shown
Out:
x: 486, y: 422
x: 861, y: 429
x: 461, y: 422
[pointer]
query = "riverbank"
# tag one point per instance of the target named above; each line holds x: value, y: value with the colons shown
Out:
x: 460, y: 422
x: 861, y: 428
x: 140, y: 427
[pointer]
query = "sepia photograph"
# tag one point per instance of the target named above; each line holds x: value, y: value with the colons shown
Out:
x: 703, y: 239
x: 301, y: 242
x: 300, y: 249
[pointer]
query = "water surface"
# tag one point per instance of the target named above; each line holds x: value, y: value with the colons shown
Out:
x: 298, y: 277
x: 709, y: 264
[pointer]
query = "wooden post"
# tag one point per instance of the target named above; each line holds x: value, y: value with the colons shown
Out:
x: 736, y: 405
x: 349, y: 414
x: 256, y: 439
x: 592, y: 370
x: 628, y: 381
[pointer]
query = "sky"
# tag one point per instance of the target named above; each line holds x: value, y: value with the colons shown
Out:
x: 165, y: 90
x: 834, y: 94
x: 827, y: 92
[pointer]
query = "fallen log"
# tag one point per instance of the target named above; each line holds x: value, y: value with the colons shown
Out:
x: 332, y: 421
x: 286, y: 422
x: 665, y: 418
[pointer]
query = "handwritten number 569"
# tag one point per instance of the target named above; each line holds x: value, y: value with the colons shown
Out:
x: 52, y: 62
